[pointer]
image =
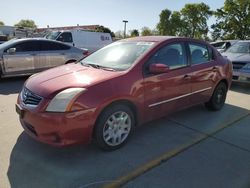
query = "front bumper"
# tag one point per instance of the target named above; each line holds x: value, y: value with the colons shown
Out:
x: 58, y: 129
x: 241, y: 76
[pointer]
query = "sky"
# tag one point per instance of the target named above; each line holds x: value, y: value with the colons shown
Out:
x: 108, y: 13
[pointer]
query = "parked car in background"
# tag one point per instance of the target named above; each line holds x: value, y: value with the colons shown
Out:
x: 222, y: 46
x: 82, y: 39
x: 3, y: 38
x: 28, y: 56
x: 239, y: 54
x: 120, y: 86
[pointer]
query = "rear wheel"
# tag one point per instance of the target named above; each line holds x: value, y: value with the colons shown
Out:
x: 218, y: 98
x: 114, y: 127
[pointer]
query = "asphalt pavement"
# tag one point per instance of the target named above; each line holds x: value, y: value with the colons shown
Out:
x: 190, y: 148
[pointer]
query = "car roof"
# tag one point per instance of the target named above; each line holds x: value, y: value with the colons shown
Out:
x: 151, y: 38
x: 161, y: 39
x: 35, y: 39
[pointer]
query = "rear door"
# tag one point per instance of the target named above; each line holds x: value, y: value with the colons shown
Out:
x: 205, y: 70
x: 52, y: 54
x: 167, y: 92
x: 23, y: 59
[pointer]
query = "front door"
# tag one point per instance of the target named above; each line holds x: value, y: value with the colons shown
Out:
x: 20, y: 58
x: 170, y: 91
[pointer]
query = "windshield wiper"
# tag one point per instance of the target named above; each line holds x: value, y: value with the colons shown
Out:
x: 97, y: 66
x: 90, y: 65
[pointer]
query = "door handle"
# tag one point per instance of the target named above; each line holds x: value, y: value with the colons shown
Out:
x: 214, y: 69
x: 187, y: 77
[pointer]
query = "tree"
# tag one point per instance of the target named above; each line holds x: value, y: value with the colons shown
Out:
x: 145, y: 31
x: 164, y: 26
x: 104, y: 30
x: 176, y: 24
x: 26, y: 23
x: 1, y: 23
x: 119, y: 34
x: 194, y: 18
x: 134, y: 33
x: 232, y: 20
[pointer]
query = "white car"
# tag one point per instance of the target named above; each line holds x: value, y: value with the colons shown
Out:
x: 222, y: 46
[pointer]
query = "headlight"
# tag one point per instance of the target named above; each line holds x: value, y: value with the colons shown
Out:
x: 64, y: 100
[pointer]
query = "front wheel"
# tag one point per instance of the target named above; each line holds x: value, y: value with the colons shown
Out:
x: 218, y: 98
x: 114, y: 127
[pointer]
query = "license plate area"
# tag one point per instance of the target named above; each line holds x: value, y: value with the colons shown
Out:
x: 19, y: 110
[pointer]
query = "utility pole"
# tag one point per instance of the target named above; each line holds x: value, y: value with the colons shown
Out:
x: 125, y: 23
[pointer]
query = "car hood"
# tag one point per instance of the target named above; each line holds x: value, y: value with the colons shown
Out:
x: 240, y: 57
x: 52, y: 81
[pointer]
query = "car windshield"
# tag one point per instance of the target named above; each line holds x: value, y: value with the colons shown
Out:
x: 239, y: 47
x: 218, y: 45
x: 118, y: 56
x: 52, y: 35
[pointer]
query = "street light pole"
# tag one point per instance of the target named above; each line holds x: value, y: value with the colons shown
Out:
x: 125, y: 22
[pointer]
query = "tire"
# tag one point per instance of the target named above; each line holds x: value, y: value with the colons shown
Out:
x: 114, y: 127
x: 218, y: 98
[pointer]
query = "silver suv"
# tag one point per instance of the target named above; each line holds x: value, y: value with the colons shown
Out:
x: 28, y: 56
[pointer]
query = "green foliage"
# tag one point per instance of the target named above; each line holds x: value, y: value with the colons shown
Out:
x: 176, y: 24
x: 233, y: 20
x: 26, y: 23
x: 191, y: 21
x: 145, y: 31
x: 134, y: 33
x: 104, y: 30
x: 1, y: 23
x: 164, y: 26
x: 194, y: 18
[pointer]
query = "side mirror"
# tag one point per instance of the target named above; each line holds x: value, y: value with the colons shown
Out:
x: 158, y: 68
x: 60, y: 38
x: 11, y: 51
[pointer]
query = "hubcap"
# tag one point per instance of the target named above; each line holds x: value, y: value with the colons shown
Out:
x: 117, y: 128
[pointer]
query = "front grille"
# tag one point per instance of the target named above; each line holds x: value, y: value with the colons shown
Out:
x: 238, y: 65
x: 30, y: 98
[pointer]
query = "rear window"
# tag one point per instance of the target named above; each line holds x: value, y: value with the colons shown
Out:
x: 48, y: 46
x: 199, y: 54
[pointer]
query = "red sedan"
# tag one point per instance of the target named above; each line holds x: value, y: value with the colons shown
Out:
x: 121, y: 86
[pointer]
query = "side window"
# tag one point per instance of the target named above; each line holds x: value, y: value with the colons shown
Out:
x: 26, y: 46
x: 65, y: 37
x: 199, y: 54
x: 172, y: 55
x: 50, y: 46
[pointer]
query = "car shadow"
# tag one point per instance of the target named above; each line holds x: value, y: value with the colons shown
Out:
x: 33, y: 164
x: 11, y: 85
x: 240, y: 87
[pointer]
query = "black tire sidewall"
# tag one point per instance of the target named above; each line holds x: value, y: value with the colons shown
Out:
x: 214, y: 104
x: 98, y: 131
